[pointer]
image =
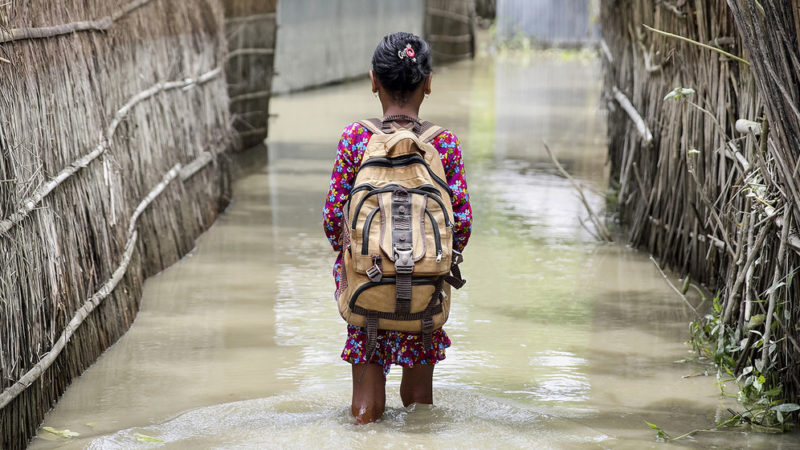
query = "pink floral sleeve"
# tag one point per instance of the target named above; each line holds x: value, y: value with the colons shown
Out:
x: 348, y: 158
x: 450, y: 152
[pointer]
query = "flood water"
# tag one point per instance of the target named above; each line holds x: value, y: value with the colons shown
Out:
x: 558, y: 342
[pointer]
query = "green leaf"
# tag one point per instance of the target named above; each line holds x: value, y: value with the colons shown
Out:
x: 786, y: 407
x: 774, y: 392
x: 678, y: 93
x: 756, y: 320
x: 693, y: 152
x: 146, y: 438
x: 63, y: 433
x: 652, y: 425
x: 775, y: 286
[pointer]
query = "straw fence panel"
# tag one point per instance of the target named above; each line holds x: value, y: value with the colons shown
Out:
x: 450, y: 29
x: 251, y: 27
x: 113, y: 117
x: 712, y: 198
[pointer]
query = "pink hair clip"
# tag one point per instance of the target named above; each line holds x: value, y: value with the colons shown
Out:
x: 408, y: 51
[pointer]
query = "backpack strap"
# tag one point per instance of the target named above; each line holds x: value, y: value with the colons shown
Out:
x: 374, y: 125
x: 426, y: 131
x: 429, y: 131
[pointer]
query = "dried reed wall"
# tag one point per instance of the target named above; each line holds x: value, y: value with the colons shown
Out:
x: 251, y: 27
x: 450, y: 29
x: 113, y: 117
x: 713, y: 200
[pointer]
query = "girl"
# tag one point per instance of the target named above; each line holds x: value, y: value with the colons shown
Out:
x: 401, y: 79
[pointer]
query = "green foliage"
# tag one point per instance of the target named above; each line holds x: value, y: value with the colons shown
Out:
x: 679, y: 93
x: 760, y: 391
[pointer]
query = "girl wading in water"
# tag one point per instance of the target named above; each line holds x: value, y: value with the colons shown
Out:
x: 401, y: 79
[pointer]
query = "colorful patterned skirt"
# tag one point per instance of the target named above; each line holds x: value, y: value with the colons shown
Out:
x: 394, y: 347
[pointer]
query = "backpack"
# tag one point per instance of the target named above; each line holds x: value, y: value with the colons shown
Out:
x: 398, y: 259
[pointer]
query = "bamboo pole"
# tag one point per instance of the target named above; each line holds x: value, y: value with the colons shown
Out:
x: 627, y: 106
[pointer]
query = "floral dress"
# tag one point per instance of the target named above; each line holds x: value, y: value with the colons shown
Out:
x: 393, y: 347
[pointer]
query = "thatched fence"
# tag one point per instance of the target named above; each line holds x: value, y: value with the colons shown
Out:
x: 251, y: 27
x: 450, y: 29
x: 113, y: 116
x: 707, y: 179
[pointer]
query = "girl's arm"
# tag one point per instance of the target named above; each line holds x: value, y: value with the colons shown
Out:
x: 348, y: 158
x: 450, y: 151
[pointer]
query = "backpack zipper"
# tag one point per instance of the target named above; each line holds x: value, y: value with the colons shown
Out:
x: 390, y: 188
x: 437, y: 238
x: 365, y: 232
x: 407, y: 160
x: 387, y: 280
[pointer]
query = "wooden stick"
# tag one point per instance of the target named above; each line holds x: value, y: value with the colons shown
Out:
x: 155, y: 192
x: 606, y: 51
x: 80, y: 315
x: 30, y: 203
x: 637, y: 119
x: 101, y: 24
x: 677, y: 291
x: 751, y: 256
x: 713, y: 212
x: 603, y: 231
x: 251, y: 52
x: 251, y: 96
x: 193, y: 167
x: 776, y: 276
x: 700, y: 44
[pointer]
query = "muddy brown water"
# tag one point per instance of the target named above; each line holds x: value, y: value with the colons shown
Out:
x: 558, y: 342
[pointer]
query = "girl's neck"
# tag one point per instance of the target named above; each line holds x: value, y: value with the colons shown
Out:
x: 405, y: 110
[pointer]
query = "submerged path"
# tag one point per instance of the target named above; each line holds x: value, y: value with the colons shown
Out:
x: 557, y: 341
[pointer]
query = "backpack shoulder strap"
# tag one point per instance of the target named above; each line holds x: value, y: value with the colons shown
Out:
x: 374, y: 125
x: 428, y: 131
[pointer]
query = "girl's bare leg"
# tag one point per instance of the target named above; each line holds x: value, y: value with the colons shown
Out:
x: 417, y: 385
x: 369, y: 393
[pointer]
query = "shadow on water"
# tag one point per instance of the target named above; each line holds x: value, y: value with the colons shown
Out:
x: 557, y: 341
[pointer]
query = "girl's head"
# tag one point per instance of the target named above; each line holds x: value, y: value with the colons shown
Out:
x: 401, y: 67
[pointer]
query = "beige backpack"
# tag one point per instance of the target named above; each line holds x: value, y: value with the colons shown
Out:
x: 397, y: 236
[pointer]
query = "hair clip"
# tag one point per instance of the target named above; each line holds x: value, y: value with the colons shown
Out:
x: 408, y: 51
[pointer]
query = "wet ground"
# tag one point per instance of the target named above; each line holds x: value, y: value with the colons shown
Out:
x: 558, y: 342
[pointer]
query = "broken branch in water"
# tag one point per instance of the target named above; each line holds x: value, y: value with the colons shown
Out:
x: 601, y: 228
x: 677, y: 291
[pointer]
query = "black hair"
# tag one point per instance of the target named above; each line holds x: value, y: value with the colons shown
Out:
x: 401, y: 76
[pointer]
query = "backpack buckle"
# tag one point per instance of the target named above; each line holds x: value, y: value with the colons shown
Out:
x: 374, y: 273
x: 403, y: 261
x: 458, y: 258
